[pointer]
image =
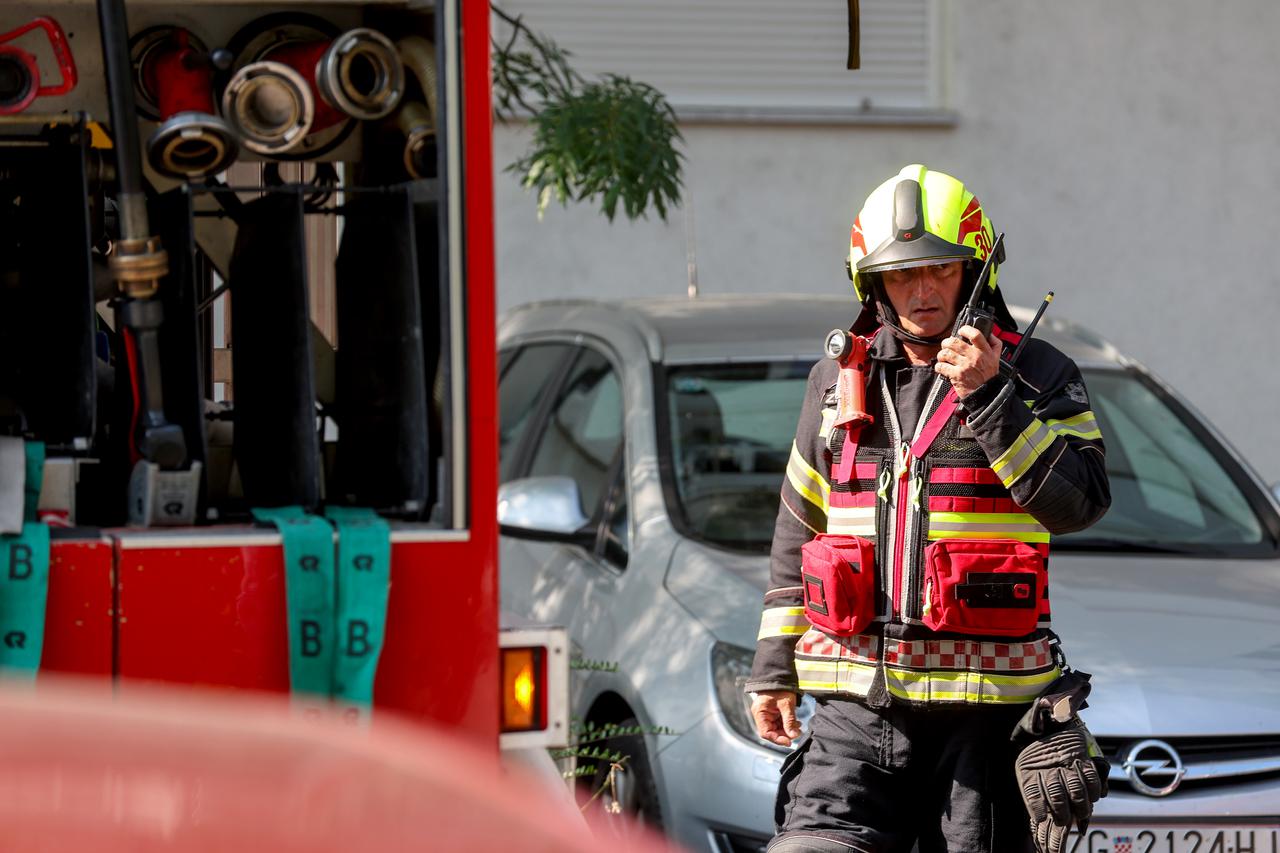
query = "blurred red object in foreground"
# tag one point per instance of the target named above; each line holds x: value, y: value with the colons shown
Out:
x: 176, y: 769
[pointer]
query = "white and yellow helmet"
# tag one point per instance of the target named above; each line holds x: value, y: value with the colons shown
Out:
x: 915, y: 218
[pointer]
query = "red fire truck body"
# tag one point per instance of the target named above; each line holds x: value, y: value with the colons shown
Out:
x: 206, y: 604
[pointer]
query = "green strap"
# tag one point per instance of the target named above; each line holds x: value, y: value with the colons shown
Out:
x: 24, y: 579
x: 309, y: 596
x: 35, y: 479
x: 364, y: 578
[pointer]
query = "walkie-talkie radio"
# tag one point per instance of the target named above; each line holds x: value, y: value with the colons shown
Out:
x: 973, y: 314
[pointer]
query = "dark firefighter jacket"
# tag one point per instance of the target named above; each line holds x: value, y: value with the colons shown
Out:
x: 1020, y: 459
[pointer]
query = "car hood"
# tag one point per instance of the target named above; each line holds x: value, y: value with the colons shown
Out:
x: 722, y: 589
x: 1178, y: 646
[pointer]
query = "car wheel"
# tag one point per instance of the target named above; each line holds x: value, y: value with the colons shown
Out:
x: 631, y: 792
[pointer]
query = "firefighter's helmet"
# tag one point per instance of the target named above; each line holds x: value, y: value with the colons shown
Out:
x: 915, y: 218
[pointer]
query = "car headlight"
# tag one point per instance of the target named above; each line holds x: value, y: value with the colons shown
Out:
x: 730, y: 669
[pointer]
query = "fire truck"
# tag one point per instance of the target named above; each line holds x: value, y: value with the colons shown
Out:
x: 247, y: 367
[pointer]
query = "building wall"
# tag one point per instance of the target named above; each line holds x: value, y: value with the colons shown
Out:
x: 1128, y: 150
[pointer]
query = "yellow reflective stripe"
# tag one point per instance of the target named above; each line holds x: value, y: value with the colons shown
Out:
x: 808, y: 482
x: 828, y: 419
x: 986, y: 525
x: 782, y: 622
x: 1030, y: 538
x: 1083, y: 425
x: 827, y: 676
x: 810, y: 685
x: 953, y: 686
x: 1024, y: 451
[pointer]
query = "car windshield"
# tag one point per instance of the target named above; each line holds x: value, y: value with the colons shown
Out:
x: 730, y: 427
x: 1170, y: 484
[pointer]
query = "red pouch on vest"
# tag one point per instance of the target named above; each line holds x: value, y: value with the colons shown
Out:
x: 983, y: 586
x: 839, y: 576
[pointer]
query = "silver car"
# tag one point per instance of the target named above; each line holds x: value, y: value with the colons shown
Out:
x: 642, y: 449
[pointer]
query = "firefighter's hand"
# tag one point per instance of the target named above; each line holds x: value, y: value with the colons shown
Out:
x: 969, y: 365
x: 774, y: 712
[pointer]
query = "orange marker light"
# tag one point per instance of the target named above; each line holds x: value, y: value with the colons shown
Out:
x: 524, y: 675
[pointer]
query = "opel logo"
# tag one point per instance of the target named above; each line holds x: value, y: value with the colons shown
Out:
x: 1153, y: 768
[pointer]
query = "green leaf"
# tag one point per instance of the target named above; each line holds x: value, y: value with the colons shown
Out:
x: 612, y: 139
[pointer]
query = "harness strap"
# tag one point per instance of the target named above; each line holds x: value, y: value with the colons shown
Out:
x: 337, y: 604
x: 364, y: 579
x: 1012, y: 338
x: 848, y: 453
x: 951, y: 402
x: 935, y: 424
x: 309, y: 598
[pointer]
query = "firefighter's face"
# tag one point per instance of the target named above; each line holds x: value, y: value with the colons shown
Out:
x: 926, y: 298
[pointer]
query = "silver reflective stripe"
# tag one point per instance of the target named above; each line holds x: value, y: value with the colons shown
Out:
x: 782, y: 622
x: 834, y: 676
x: 1083, y: 425
x: 961, y: 686
x: 852, y: 521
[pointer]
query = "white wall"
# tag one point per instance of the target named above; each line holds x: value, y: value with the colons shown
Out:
x: 1129, y: 150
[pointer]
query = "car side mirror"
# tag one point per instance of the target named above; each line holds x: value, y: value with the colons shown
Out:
x: 548, y: 508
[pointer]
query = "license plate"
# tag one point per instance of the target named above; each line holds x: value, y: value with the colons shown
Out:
x: 1187, y: 838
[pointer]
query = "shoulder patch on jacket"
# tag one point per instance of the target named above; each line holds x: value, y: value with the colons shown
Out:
x: 1075, y: 390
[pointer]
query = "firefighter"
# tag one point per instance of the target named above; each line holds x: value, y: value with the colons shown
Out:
x: 909, y: 587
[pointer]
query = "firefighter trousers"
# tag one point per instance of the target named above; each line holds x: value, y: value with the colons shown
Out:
x: 878, y: 780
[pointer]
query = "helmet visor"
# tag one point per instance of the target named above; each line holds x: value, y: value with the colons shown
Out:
x: 895, y: 254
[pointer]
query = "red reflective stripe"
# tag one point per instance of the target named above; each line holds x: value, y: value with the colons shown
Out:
x: 974, y: 476
x: 954, y: 503
x: 849, y: 500
x: 866, y: 470
x: 935, y: 425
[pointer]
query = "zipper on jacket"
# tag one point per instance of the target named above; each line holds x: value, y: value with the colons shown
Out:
x: 907, y: 470
x: 901, y: 465
x: 915, y: 580
x: 915, y: 488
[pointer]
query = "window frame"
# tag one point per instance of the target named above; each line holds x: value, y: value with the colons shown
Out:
x: 538, y: 417
x: 666, y: 471
x: 618, y: 484
x: 619, y: 467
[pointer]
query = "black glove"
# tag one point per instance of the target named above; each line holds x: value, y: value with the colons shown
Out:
x: 1061, y: 775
